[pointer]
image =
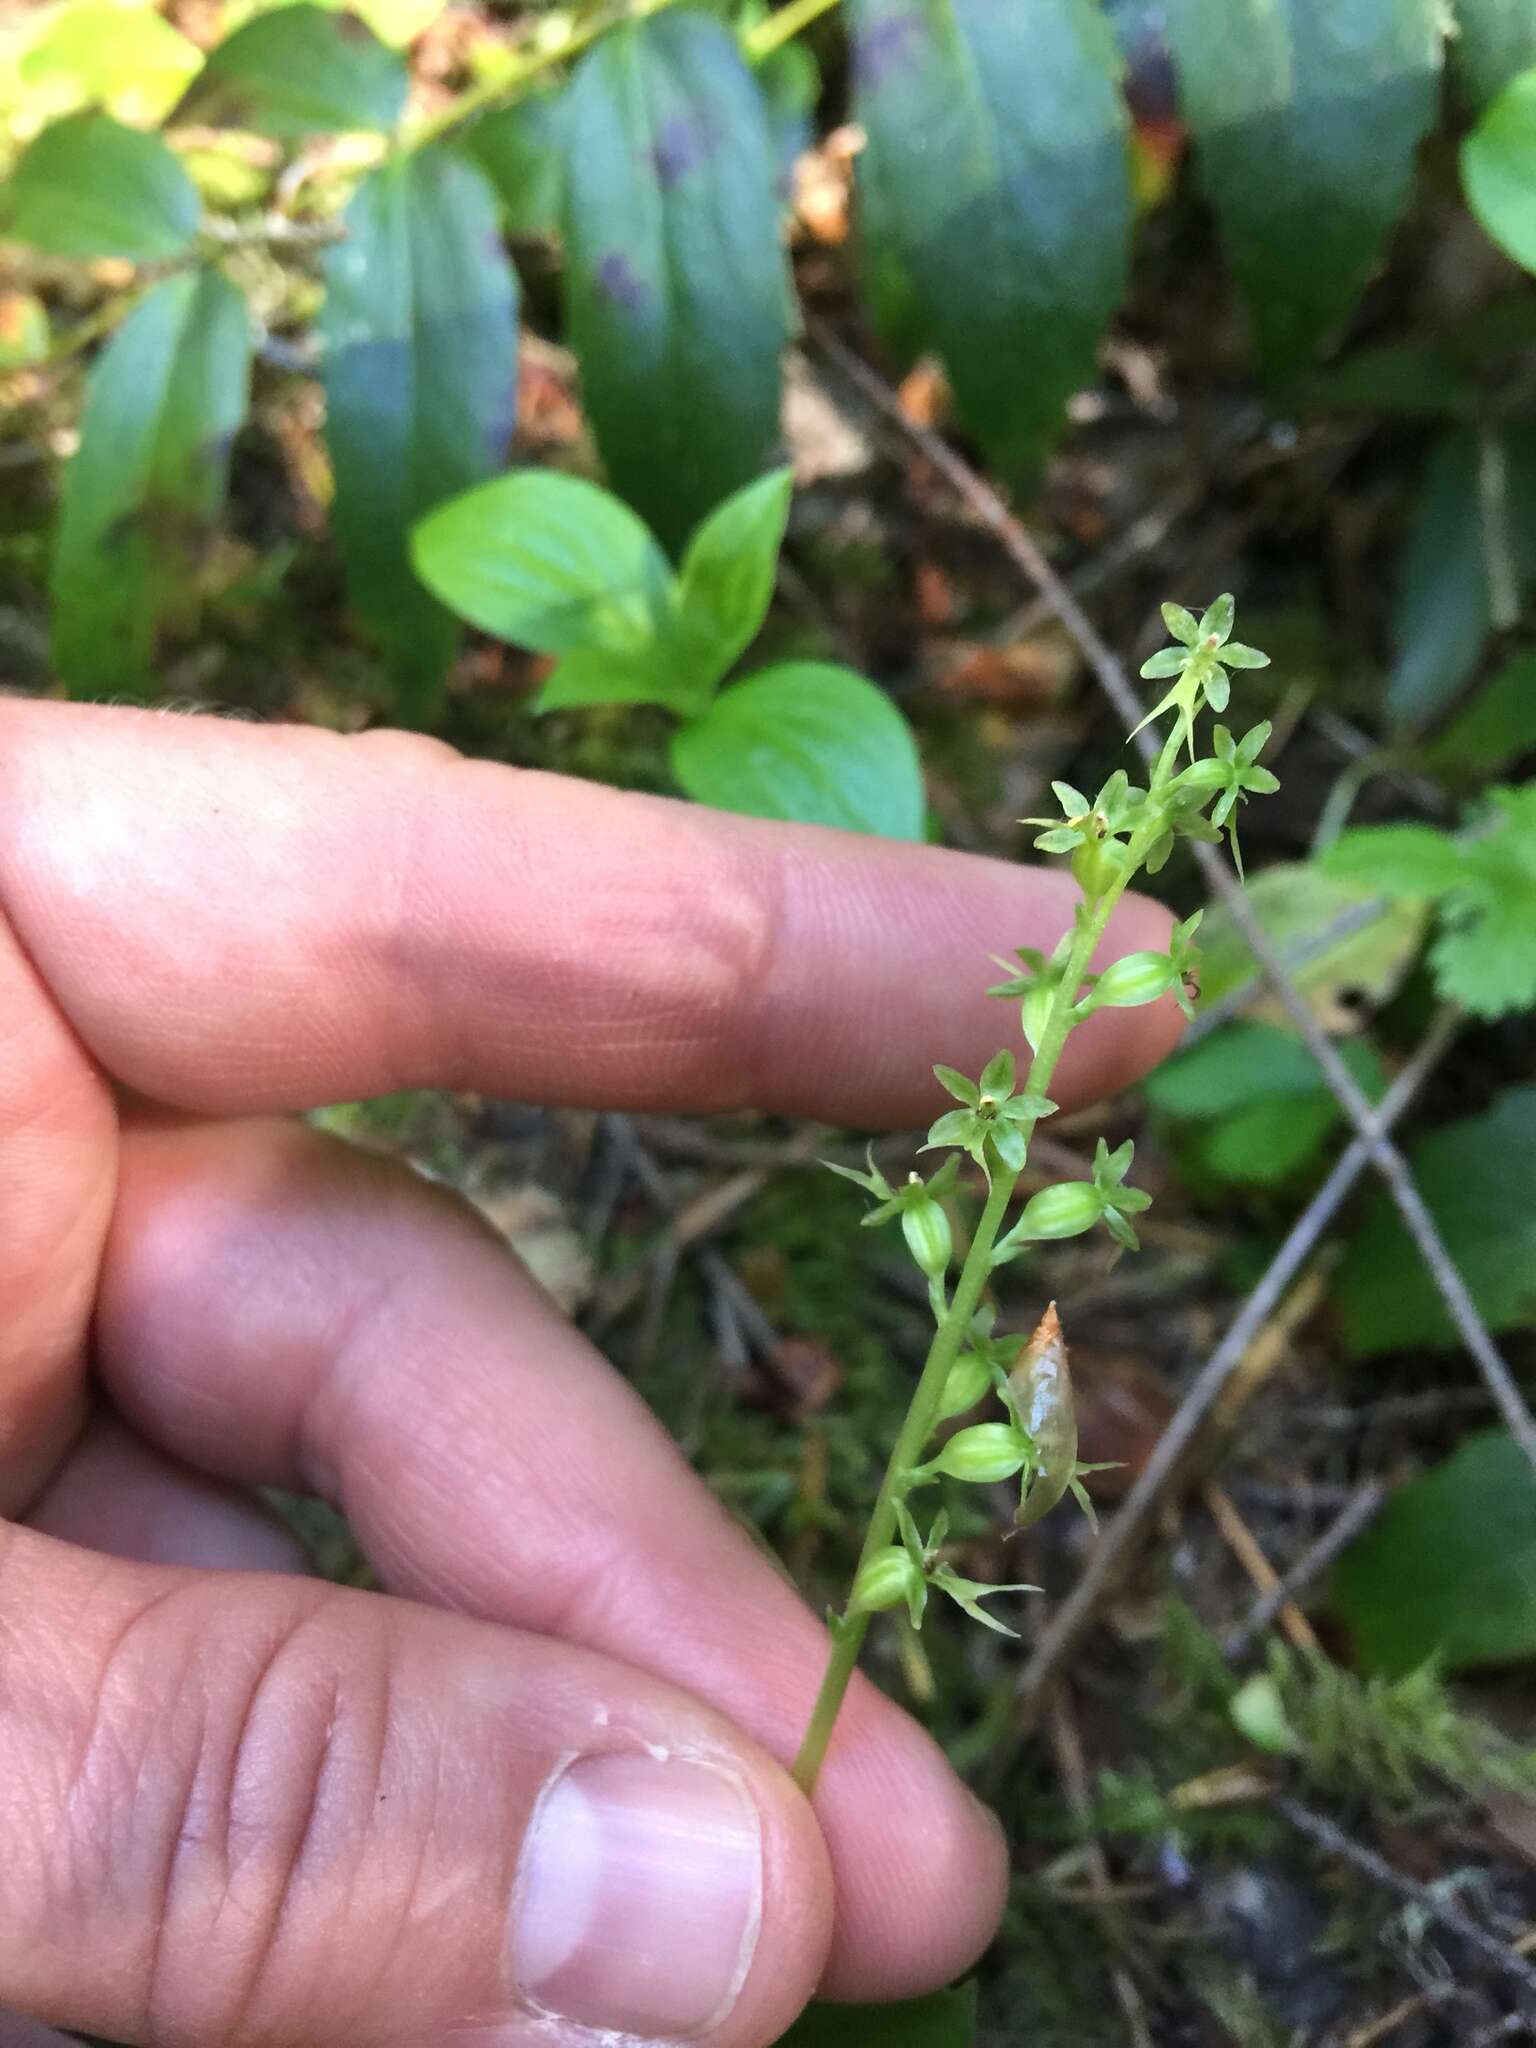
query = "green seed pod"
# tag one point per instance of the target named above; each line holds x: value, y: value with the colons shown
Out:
x: 1042, y: 1389
x: 969, y: 1378
x: 987, y: 1451
x: 1135, y: 978
x: 889, y: 1578
x: 926, y: 1228
x: 1065, y: 1210
x: 1097, y: 865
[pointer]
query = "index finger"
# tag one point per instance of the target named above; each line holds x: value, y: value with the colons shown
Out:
x: 237, y: 918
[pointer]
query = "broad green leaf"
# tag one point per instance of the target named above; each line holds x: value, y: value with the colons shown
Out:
x: 143, y: 492
x: 596, y: 675
x: 809, y: 741
x: 1474, y: 526
x: 1485, y: 954
x: 676, y: 290
x: 1478, y: 1178
x: 519, y: 149
x: 1493, y: 40
x: 996, y: 181
x: 88, y: 186
x: 1344, y: 942
x: 1307, y: 116
x: 1403, y: 377
x: 420, y: 330
x: 1448, y: 1568
x: 1496, y: 727
x: 1498, y: 169
x: 299, y: 70
x: 727, y: 576
x: 945, y: 2019
x: 1256, y: 1099
x: 558, y: 565
x: 127, y: 59
x: 1396, y: 860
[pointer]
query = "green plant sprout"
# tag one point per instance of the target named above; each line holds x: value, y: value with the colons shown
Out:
x: 1124, y: 831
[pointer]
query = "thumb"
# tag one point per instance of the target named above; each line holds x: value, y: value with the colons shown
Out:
x: 240, y: 1808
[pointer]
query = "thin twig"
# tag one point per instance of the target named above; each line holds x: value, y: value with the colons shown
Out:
x: 1359, y: 1510
x: 1424, y: 1898
x: 1254, y: 1559
x: 1121, y: 1536
x: 986, y: 504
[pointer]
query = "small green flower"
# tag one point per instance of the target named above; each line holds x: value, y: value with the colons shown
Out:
x: 1185, y: 955
x: 919, y: 1204
x: 968, y: 1594
x: 1036, y: 988
x: 980, y: 1455
x: 1118, y: 1203
x: 1205, y: 652
x: 991, y: 1116
x: 1233, y: 772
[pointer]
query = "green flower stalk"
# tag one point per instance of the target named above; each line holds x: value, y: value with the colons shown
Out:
x: 1123, y: 831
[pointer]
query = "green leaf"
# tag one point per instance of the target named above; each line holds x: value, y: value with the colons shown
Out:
x: 1493, y: 40
x: 550, y: 562
x: 1397, y: 860
x: 1474, y: 527
x: 1307, y: 115
x: 1403, y: 377
x: 1485, y: 955
x: 1342, y: 941
x: 127, y: 59
x: 945, y: 2019
x: 1496, y: 727
x: 1498, y: 169
x: 144, y: 490
x: 297, y: 71
x: 88, y: 186
x: 520, y: 150
x: 809, y: 741
x: 1257, y: 1099
x: 1448, y: 1568
x: 419, y: 332
x: 677, y: 295
x: 727, y: 576
x: 996, y: 180
x: 789, y: 79
x: 1478, y: 1178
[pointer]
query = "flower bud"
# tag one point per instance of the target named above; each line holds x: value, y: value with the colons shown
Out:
x: 1065, y: 1210
x: 926, y: 1228
x: 1135, y: 978
x: 969, y: 1378
x: 983, y: 1453
x: 889, y: 1578
x: 1097, y: 864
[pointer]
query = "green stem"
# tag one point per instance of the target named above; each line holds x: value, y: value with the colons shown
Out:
x: 778, y: 28
x: 848, y: 1636
x: 508, y: 84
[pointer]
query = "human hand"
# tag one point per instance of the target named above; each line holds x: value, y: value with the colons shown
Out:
x: 545, y: 1772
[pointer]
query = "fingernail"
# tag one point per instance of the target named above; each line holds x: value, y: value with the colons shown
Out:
x: 640, y: 1895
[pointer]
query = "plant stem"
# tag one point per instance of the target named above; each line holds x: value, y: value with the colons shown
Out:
x: 506, y: 85
x: 848, y: 1637
x: 777, y: 29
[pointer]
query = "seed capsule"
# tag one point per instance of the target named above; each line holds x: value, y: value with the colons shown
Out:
x: 889, y: 1578
x: 985, y: 1452
x: 1042, y: 1388
x: 1136, y: 978
x: 1065, y: 1210
x: 926, y: 1228
x: 969, y: 1378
